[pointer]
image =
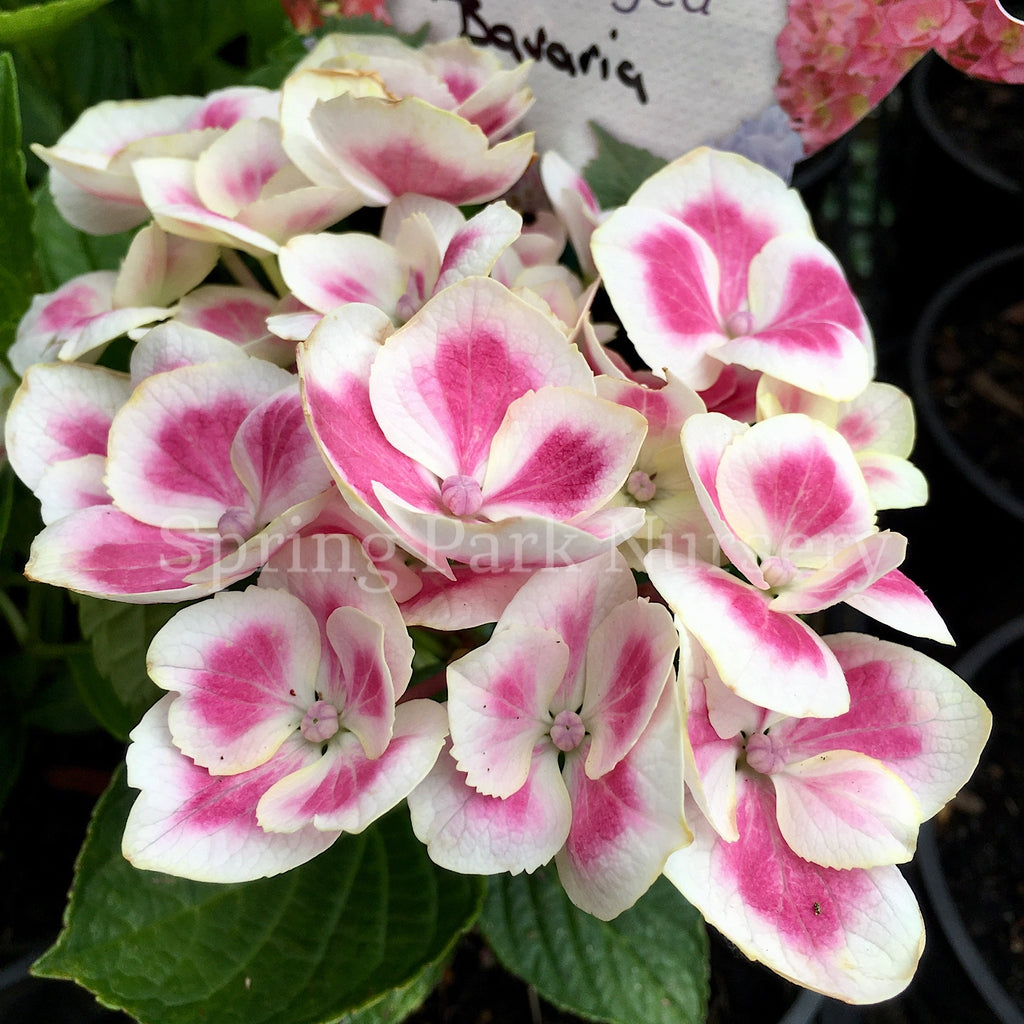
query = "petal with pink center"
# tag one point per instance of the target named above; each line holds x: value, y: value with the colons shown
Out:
x: 172, y: 344
x: 626, y: 823
x: 880, y: 419
x: 441, y: 385
x: 159, y: 268
x: 474, y: 247
x: 170, y: 446
x: 102, y: 552
x: 233, y: 171
x: 275, y: 456
x: 168, y: 189
x: 108, y: 326
x: 705, y: 438
x: 907, y: 711
x: 334, y: 367
x: 330, y: 571
x: 901, y: 603
x: 892, y: 481
x: 663, y: 280
x: 665, y: 407
x: 359, y: 684
x: 471, y: 833
x: 244, y: 665
x: 849, y: 573
x: 499, y: 700
x: 291, y: 206
x: 347, y: 791
x: 560, y: 452
x: 842, y: 809
x: 572, y: 600
x: 808, y: 328
x: 386, y: 149
x: 325, y: 271
x: 61, y: 412
x: 229, y: 311
x: 735, y: 205
x: 189, y: 823
x: 770, y: 658
x: 629, y: 662
x: 472, y: 599
x: 71, y: 485
x: 856, y: 935
x: 791, y: 487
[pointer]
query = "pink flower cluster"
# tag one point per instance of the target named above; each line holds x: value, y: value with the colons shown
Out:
x: 383, y: 435
x: 840, y: 58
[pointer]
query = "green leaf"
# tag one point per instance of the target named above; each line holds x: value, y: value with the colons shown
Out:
x: 335, y: 936
x: 649, y: 964
x: 619, y: 169
x: 17, y: 271
x: 39, y: 20
x: 117, y: 690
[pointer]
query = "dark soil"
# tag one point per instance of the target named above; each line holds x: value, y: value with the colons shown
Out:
x: 980, y: 833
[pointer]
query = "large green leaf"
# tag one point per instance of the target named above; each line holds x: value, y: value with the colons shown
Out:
x: 649, y: 964
x: 17, y: 269
x: 37, y: 20
x: 618, y: 169
x: 362, y: 924
x: 116, y: 689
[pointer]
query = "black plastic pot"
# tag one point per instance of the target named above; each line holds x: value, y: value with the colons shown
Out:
x: 983, y: 657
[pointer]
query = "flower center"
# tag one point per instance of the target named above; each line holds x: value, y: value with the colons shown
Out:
x: 640, y: 486
x: 740, y: 324
x: 236, y: 524
x: 766, y: 754
x: 777, y: 571
x: 461, y: 495
x: 567, y: 730
x: 320, y: 722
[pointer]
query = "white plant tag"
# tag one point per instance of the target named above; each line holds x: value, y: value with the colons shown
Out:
x: 667, y: 75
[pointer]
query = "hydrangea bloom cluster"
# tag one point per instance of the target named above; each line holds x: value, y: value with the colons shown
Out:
x: 420, y: 427
x: 840, y: 58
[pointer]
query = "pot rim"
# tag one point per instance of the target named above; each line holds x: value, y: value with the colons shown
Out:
x: 924, y: 403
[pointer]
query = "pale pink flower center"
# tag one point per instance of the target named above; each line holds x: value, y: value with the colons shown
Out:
x: 461, y: 495
x: 640, y: 486
x: 740, y: 324
x: 778, y: 571
x: 320, y: 722
x: 766, y: 754
x: 567, y: 730
x: 236, y: 524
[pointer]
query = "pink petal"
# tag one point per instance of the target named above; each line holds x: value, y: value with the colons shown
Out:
x: 471, y: 833
x: 499, y: 701
x: 734, y: 205
x: 769, y: 658
x: 233, y: 171
x: 330, y: 571
x: 629, y: 663
x: 229, y: 311
x: 386, y: 149
x: 842, y: 809
x: 325, y: 271
x: 61, y: 412
x: 275, y: 455
x: 360, y: 685
x: 172, y: 344
x: 791, y: 487
x: 809, y: 330
x: 334, y: 365
x: 245, y: 667
x: 189, y: 823
x: 473, y: 598
x: 848, y: 574
x: 892, y: 481
x: 159, y: 268
x: 441, y: 385
x: 560, y: 452
x: 626, y: 823
x: 170, y: 447
x: 909, y: 712
x: 103, y: 552
x: 346, y: 790
x: 901, y: 603
x: 71, y: 485
x: 856, y: 934
x: 663, y: 280
x: 475, y: 246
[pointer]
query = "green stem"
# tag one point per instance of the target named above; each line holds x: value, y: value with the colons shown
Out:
x: 235, y: 266
x: 273, y: 272
x: 19, y: 627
